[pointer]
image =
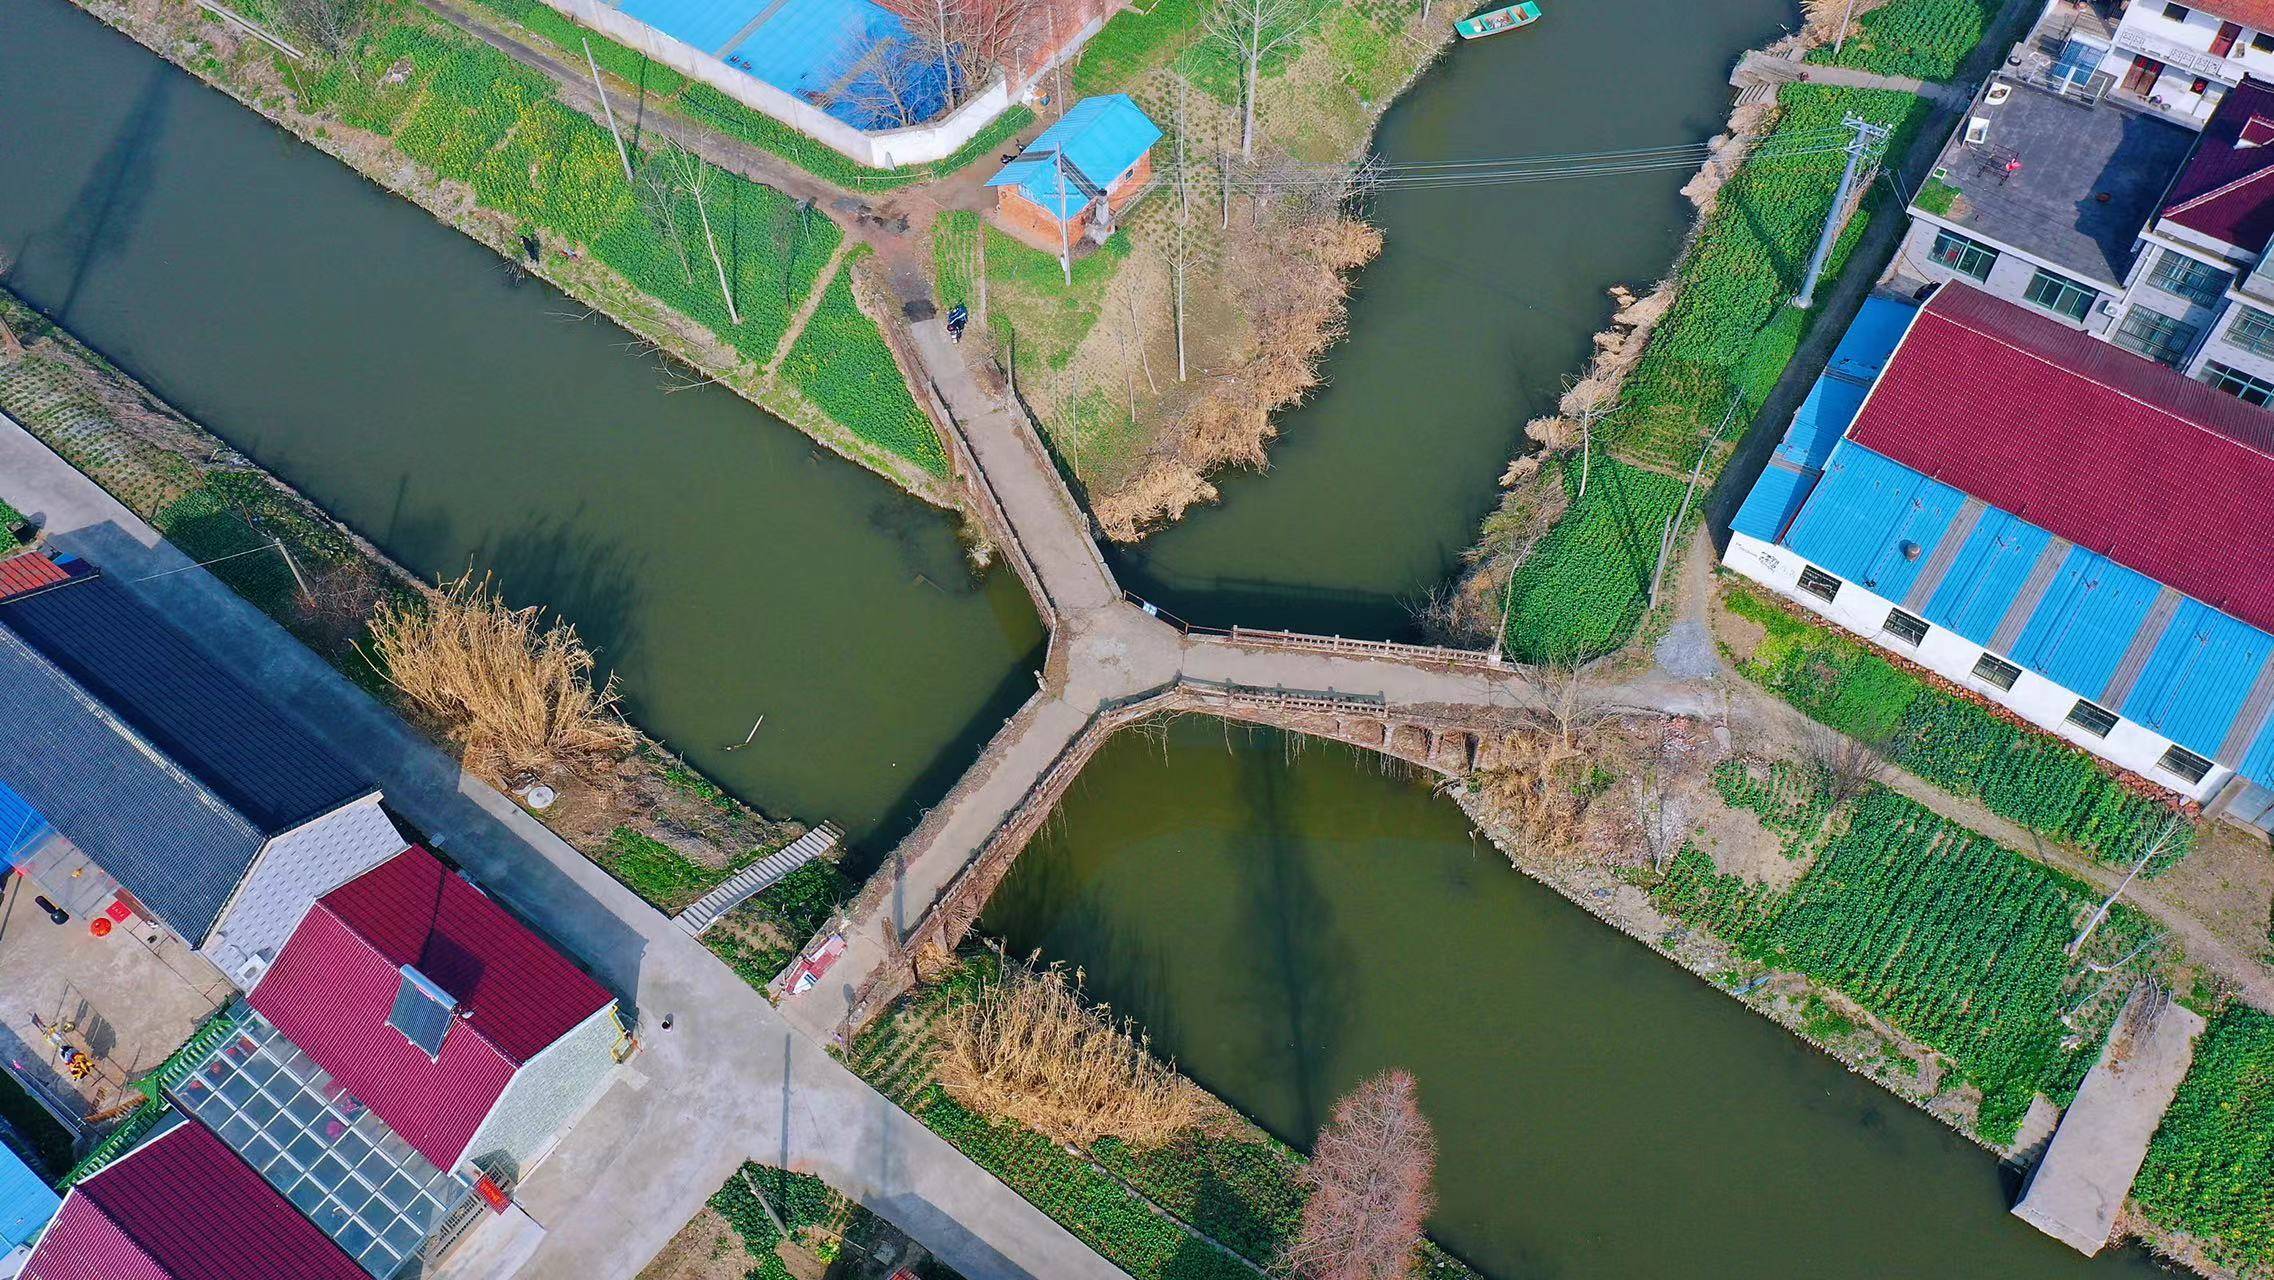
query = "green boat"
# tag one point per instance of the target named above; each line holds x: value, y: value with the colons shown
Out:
x: 1494, y: 21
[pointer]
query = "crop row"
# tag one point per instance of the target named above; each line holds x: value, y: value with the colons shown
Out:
x: 1925, y: 38
x: 1960, y: 746
x: 2210, y: 1170
x: 1788, y: 796
x: 841, y: 364
x: 1583, y: 589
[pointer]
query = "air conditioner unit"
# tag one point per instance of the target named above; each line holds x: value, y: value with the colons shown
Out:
x: 2108, y: 306
x: 250, y: 972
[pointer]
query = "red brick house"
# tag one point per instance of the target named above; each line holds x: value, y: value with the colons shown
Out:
x: 1081, y: 172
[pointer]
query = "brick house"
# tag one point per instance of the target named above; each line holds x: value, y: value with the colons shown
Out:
x: 1075, y: 178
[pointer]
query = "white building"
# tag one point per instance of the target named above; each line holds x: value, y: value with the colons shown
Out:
x: 2067, y: 530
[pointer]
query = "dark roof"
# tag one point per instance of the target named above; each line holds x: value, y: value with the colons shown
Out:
x: 240, y: 748
x: 183, y: 1206
x: 2071, y: 155
x: 335, y: 983
x: 2117, y: 454
x: 2227, y: 189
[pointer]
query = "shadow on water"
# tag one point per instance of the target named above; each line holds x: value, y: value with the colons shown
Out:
x: 111, y: 199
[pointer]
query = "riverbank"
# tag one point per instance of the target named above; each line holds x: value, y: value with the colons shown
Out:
x: 654, y: 822
x: 1569, y: 562
x: 489, y: 147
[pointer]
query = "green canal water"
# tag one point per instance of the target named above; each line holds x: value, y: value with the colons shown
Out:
x: 722, y: 563
x: 1285, y: 922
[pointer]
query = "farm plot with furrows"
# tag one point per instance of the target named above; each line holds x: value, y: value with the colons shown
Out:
x: 841, y: 364
x: 1925, y: 38
x: 2210, y: 1170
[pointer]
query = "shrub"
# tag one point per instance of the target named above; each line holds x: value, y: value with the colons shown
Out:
x: 2210, y: 1170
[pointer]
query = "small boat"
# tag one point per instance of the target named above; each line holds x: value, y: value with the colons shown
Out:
x: 1494, y: 21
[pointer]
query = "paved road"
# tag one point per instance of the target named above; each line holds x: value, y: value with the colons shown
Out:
x: 729, y: 1080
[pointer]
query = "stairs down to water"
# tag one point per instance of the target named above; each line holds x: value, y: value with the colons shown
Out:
x: 758, y: 877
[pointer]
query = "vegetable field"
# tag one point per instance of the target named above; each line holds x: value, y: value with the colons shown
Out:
x: 1953, y: 742
x: 1925, y: 38
x: 841, y: 364
x: 1788, y: 797
x: 1728, y: 336
x: 956, y: 257
x: 473, y: 115
x: 2210, y: 1170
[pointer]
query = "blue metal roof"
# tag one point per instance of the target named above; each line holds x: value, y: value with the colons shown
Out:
x: 26, y: 1201
x: 822, y: 51
x: 160, y: 765
x: 1100, y: 138
x: 1773, y: 501
x: 1823, y: 417
x: 2197, y: 676
x: 22, y: 828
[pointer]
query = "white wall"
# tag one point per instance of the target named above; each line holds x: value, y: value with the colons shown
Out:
x: 548, y: 1094
x: 886, y: 149
x: 2185, y: 46
x: 2009, y: 276
x: 1952, y: 656
x: 290, y: 873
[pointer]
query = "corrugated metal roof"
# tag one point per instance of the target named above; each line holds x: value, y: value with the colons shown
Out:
x: 26, y: 1201
x: 2107, y: 632
x: 266, y: 767
x: 1101, y: 138
x: 331, y: 990
x: 1772, y: 501
x: 2117, y: 454
x: 1831, y: 405
x: 183, y: 1206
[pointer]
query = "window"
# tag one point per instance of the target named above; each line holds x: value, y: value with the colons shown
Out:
x: 2261, y: 42
x: 2155, y: 335
x: 422, y: 1012
x: 2252, y: 330
x: 1818, y: 583
x: 2184, y: 763
x: 2059, y: 294
x: 2175, y: 12
x: 2190, y: 278
x: 2093, y: 718
x: 1995, y: 670
x: 2236, y: 383
x: 1967, y: 257
x: 2198, y: 85
x: 1908, y: 628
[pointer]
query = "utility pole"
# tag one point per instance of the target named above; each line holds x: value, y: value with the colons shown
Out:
x: 1065, y: 216
x: 1842, y: 38
x: 608, y: 111
x: 1867, y: 136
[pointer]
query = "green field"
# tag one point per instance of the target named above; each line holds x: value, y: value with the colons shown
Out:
x: 1027, y: 295
x: 2210, y: 1170
x: 1928, y: 39
x: 1137, y: 40
x: 1957, y: 744
x: 1954, y: 939
x: 956, y: 257
x: 1582, y: 590
x: 841, y: 364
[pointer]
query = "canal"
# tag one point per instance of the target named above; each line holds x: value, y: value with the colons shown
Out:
x: 1284, y: 922
x: 724, y: 565
x: 1287, y: 923
x: 1481, y: 304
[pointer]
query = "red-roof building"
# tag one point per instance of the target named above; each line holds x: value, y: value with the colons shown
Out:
x: 2114, y: 453
x: 427, y: 1002
x: 183, y: 1206
x: 2226, y: 190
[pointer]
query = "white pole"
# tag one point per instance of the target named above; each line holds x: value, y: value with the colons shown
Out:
x: 1065, y: 216
x: 610, y: 112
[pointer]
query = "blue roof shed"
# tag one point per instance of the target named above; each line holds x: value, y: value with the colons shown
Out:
x: 1099, y: 140
x: 26, y: 1201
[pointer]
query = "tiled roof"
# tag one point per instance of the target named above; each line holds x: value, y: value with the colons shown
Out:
x: 2258, y: 15
x: 183, y: 1206
x: 2114, y: 453
x: 334, y: 984
x: 29, y: 571
x: 2226, y: 189
x: 246, y: 753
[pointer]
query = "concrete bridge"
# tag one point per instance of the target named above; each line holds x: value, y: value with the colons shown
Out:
x: 1114, y: 661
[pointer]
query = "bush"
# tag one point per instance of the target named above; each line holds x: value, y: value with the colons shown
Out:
x: 10, y: 520
x: 2210, y: 1170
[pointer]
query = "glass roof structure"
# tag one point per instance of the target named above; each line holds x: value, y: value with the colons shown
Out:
x: 319, y: 1147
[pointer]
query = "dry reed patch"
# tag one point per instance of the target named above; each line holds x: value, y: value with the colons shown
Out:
x: 513, y: 690
x: 1028, y: 1048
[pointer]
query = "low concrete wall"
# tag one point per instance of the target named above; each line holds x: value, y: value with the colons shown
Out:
x: 885, y: 149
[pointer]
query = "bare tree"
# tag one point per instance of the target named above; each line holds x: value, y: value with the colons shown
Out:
x: 1252, y: 30
x: 1567, y: 696
x: 1846, y: 767
x: 1369, y: 1179
x: 686, y: 175
x: 1180, y: 244
x: 330, y: 25
x: 887, y: 83
x: 969, y: 41
x: 2155, y: 846
x: 658, y: 198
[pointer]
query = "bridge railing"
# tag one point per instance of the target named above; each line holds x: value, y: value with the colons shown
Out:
x: 1339, y: 646
x: 991, y: 512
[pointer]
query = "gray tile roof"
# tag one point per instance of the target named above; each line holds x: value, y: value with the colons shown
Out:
x: 2071, y: 155
x: 166, y: 769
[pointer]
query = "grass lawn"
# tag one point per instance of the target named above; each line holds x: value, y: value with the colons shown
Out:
x: 1027, y: 290
x: 1137, y: 40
